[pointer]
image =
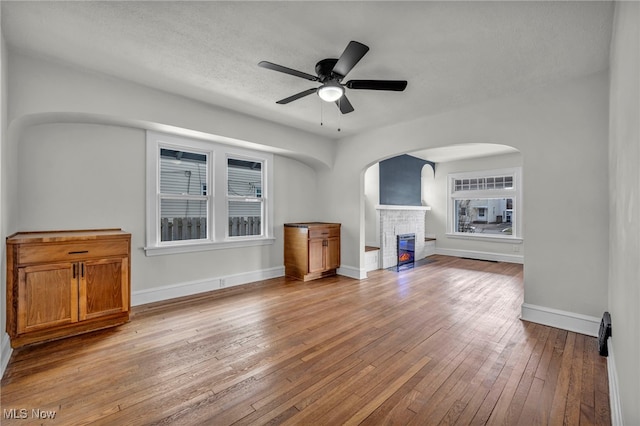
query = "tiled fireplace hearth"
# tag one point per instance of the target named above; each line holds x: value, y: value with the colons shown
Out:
x: 397, y: 220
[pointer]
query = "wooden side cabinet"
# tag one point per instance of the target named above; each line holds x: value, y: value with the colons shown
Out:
x: 311, y: 249
x: 62, y: 283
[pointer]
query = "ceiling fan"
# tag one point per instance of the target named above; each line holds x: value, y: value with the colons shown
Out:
x: 330, y: 73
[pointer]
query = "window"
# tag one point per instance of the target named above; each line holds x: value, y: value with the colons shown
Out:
x: 203, y: 195
x: 184, y: 204
x: 482, y: 183
x: 244, y: 197
x: 485, y: 204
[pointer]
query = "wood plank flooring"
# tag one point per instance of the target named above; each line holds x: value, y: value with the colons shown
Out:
x: 438, y: 344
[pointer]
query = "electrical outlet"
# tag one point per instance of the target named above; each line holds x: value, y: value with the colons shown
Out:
x: 221, y: 283
x: 516, y: 248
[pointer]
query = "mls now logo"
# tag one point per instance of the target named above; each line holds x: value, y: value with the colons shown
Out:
x: 23, y: 413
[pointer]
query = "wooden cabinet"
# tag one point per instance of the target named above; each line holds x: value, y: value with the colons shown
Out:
x: 61, y: 283
x: 311, y: 249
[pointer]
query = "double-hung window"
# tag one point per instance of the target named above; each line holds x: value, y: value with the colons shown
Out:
x: 485, y: 204
x: 184, y: 204
x: 244, y: 196
x: 204, y: 195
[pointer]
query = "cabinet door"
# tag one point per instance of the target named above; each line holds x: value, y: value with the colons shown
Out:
x: 333, y: 253
x: 103, y: 287
x: 316, y: 255
x: 47, y: 296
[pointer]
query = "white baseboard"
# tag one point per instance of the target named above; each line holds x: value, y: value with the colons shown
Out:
x: 578, y: 323
x: 481, y: 255
x: 352, y: 272
x: 251, y: 277
x: 173, y: 291
x: 614, y: 391
x: 5, y: 352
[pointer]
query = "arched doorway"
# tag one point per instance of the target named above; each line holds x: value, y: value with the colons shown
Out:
x: 436, y: 229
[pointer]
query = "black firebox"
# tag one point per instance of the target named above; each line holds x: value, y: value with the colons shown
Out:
x: 406, y: 244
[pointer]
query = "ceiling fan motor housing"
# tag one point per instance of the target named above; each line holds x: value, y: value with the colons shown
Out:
x: 324, y: 70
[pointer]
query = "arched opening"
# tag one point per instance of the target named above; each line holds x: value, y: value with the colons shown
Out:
x: 438, y: 211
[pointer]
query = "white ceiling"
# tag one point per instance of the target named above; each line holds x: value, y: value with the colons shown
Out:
x: 451, y: 53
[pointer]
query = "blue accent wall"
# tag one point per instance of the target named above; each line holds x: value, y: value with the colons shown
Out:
x: 400, y: 180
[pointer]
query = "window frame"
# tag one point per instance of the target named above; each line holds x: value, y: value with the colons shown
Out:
x: 261, y: 199
x: 160, y: 196
x: 217, y: 217
x: 515, y: 193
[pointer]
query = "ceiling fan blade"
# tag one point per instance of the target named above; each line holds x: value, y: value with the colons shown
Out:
x: 395, y: 85
x: 344, y: 105
x: 280, y: 68
x: 297, y: 96
x: 350, y: 57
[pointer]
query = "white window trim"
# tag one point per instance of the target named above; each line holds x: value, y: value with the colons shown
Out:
x: 217, y: 222
x: 515, y: 194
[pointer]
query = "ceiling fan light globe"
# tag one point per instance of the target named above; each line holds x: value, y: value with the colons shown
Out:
x: 330, y: 92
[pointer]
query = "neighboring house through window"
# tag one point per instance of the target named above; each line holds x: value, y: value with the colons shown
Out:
x: 244, y: 196
x: 184, y: 202
x: 203, y: 195
x: 485, y: 204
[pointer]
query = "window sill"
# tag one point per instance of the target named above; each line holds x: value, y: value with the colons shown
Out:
x: 486, y: 237
x: 195, y: 247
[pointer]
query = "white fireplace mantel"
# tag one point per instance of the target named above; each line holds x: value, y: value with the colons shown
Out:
x: 394, y: 207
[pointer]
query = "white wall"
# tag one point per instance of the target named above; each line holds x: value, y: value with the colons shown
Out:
x: 624, y: 205
x: 46, y: 91
x: 4, y: 342
x: 371, y: 200
x: 561, y: 131
x: 436, y: 219
x: 75, y: 176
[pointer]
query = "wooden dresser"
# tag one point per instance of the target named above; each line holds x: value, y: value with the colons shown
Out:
x: 311, y: 249
x: 62, y: 283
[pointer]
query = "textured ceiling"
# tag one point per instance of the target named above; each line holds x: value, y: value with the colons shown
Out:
x: 452, y: 53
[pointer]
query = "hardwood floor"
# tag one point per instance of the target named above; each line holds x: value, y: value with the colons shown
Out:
x: 438, y: 344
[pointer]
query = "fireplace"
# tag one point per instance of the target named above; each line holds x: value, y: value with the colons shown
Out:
x: 398, y: 220
x: 406, y: 244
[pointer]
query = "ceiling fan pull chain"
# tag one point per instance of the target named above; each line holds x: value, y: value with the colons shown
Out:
x: 339, y: 115
x: 321, y: 115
